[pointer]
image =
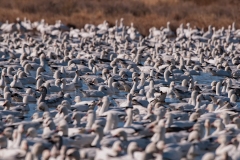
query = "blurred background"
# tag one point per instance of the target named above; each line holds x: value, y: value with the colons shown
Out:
x: 143, y: 13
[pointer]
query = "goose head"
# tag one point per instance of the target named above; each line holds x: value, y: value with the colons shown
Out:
x: 63, y: 81
x: 77, y: 116
x: 40, y: 82
x: 42, y: 106
x: 29, y: 91
x: 37, y: 150
x: 27, y: 68
x: 194, y: 117
x: 62, y: 110
x: 48, y: 122
x: 57, y: 74
x: 99, y: 134
x: 132, y: 147
x: 194, y: 136
x: 105, y: 71
x: 236, y: 120
x: 8, y: 132
x: 172, y: 84
x: 6, y: 105
x: 15, y: 77
x: 66, y: 103
x: 31, y: 132
x: 225, y: 118
x: 8, y: 71
x: 25, y: 100
x: 218, y: 124
x: 185, y: 83
x: 10, y: 119
x: 35, y: 116
x: 72, y: 154
x: 63, y: 127
x: 149, y: 151
x: 40, y: 70
x: 77, y: 99
x: 117, y: 148
x: 42, y: 90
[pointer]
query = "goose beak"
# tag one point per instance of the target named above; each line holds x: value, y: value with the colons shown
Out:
x: 56, y: 130
x: 4, y: 104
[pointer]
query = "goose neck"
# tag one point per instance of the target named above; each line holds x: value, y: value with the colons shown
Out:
x: 19, y: 139
x: 218, y: 92
x: 207, y: 131
x: 109, y: 122
x: 169, y: 121
x: 104, y: 75
x: 156, y: 137
x: 104, y: 107
x: 42, y: 97
x: 193, y: 98
x: 142, y: 82
x: 166, y: 76
x: 91, y: 120
x: 97, y: 139
x: 134, y: 85
x: 110, y: 84
x: 90, y: 65
x: 129, y: 120
x: 42, y: 62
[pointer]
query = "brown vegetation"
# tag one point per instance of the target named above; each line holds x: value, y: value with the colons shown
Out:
x: 144, y: 13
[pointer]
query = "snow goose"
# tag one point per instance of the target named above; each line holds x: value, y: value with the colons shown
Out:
x: 14, y: 153
x: 224, y: 146
x: 106, y: 152
x: 83, y: 106
x: 219, y: 126
x: 16, y: 83
x: 105, y: 105
x: 50, y: 101
x: 91, y: 117
x: 53, y: 88
x: 67, y: 87
x: 101, y: 92
x: 76, y: 117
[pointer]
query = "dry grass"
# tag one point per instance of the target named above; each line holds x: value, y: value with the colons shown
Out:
x: 144, y: 13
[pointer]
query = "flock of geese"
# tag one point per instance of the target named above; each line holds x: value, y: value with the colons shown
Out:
x: 110, y: 93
